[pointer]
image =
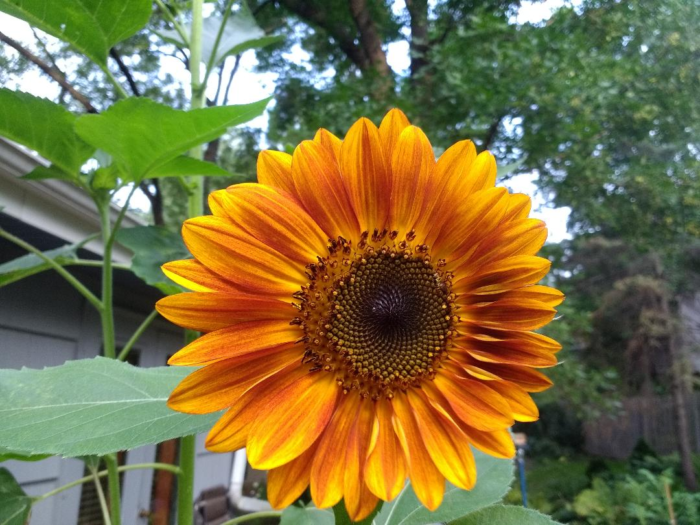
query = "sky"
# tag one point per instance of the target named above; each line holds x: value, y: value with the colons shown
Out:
x: 250, y: 86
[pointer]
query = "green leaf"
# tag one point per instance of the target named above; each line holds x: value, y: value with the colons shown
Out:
x: 153, y: 246
x: 92, y: 407
x: 6, y: 454
x: 343, y: 518
x: 44, y: 127
x: 240, y: 34
x: 31, y: 264
x: 494, y: 477
x: 14, y: 503
x: 505, y: 515
x: 51, y: 172
x: 186, y: 166
x: 306, y: 516
x: 142, y: 135
x: 90, y: 26
x: 106, y: 178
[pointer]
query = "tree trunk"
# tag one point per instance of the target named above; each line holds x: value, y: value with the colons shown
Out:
x: 418, y: 10
x: 680, y: 402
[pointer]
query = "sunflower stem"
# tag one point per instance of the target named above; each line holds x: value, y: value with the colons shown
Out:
x: 195, y: 208
x: 115, y: 501
x: 103, y: 473
x: 254, y: 516
x: 135, y: 336
x: 106, y: 517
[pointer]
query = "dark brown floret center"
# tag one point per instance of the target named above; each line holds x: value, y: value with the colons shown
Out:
x: 379, y: 317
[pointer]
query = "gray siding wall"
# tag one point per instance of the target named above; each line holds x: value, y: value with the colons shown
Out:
x: 44, y: 322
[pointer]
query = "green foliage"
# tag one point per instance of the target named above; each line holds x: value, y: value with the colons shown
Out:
x: 494, y: 477
x: 91, y: 407
x: 186, y: 167
x: 153, y: 246
x: 44, y: 127
x: 504, y: 515
x: 142, y: 135
x: 7, y: 454
x: 639, y: 498
x: 31, y: 264
x: 14, y: 503
x: 295, y: 515
x: 90, y: 26
x: 239, y: 34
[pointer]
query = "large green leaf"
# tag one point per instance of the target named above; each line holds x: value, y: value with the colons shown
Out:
x: 240, y: 34
x: 14, y: 503
x: 505, y: 515
x: 91, y: 407
x: 31, y: 264
x: 6, y: 454
x: 186, y: 166
x: 142, y: 135
x: 306, y: 516
x: 494, y: 477
x: 90, y: 26
x: 153, y: 246
x: 44, y: 127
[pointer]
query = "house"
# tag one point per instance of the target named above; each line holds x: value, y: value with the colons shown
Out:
x: 45, y: 322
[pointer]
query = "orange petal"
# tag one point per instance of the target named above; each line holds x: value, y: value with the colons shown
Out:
x: 509, y: 314
x: 321, y: 190
x: 194, y: 276
x: 445, y: 442
x: 275, y: 220
x: 291, y: 420
x: 275, y: 170
x: 207, y: 311
x: 393, y: 123
x: 359, y: 501
x: 240, y: 339
x: 543, y: 294
x: 229, y: 251
x: 286, y: 483
x: 474, y: 220
x: 526, y: 378
x: 329, y: 141
x: 412, y: 167
x: 385, y: 469
x: 426, y: 480
x: 505, y: 274
x: 231, y: 431
x: 366, y: 175
x: 519, y: 206
x: 521, y: 404
x: 524, y: 237
x: 220, y: 384
x: 515, y: 348
x: 451, y: 173
x: 328, y: 470
x: 498, y: 443
x: 474, y: 403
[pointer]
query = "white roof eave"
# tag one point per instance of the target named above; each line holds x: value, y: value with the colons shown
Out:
x: 54, y: 206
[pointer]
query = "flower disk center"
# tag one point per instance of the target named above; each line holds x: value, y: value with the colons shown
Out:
x: 379, y: 318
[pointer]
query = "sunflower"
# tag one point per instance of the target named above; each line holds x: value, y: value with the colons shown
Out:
x: 368, y: 315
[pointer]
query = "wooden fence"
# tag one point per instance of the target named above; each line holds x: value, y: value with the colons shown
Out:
x: 648, y: 418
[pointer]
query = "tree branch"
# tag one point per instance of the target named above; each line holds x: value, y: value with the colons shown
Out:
x: 340, y: 32
x: 234, y: 70
x: 419, y: 45
x: 53, y: 72
x: 369, y: 36
x: 125, y: 71
x: 492, y: 132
